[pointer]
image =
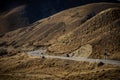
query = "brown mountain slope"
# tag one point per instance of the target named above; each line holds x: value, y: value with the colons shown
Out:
x: 100, y: 32
x: 13, y: 19
x: 33, y: 11
x: 63, y: 21
x: 67, y: 30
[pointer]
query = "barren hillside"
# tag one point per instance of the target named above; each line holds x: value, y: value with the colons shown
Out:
x: 20, y: 13
x: 101, y: 32
x: 13, y: 19
x: 87, y: 31
x: 68, y: 30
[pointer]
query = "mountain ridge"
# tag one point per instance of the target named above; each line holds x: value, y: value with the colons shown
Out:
x: 52, y: 30
x: 34, y: 10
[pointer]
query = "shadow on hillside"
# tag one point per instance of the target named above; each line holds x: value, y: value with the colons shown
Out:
x: 41, y: 9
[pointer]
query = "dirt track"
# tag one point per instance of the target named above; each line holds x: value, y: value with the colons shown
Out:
x: 38, y: 54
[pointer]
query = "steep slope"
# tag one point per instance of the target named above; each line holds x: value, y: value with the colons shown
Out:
x: 32, y: 11
x: 101, y: 32
x: 68, y: 30
x: 13, y: 19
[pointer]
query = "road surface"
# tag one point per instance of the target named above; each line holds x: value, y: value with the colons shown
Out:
x: 40, y: 53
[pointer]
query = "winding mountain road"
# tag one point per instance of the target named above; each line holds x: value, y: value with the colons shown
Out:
x: 39, y: 53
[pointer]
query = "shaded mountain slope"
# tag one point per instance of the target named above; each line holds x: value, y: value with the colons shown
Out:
x: 13, y: 19
x: 68, y: 30
x: 33, y: 10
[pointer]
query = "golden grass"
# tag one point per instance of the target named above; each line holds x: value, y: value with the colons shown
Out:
x: 23, y: 67
x: 101, y: 32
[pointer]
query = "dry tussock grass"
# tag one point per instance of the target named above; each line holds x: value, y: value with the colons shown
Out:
x: 21, y: 66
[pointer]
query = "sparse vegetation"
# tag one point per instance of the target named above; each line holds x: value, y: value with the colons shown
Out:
x: 20, y: 66
x: 83, y: 31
